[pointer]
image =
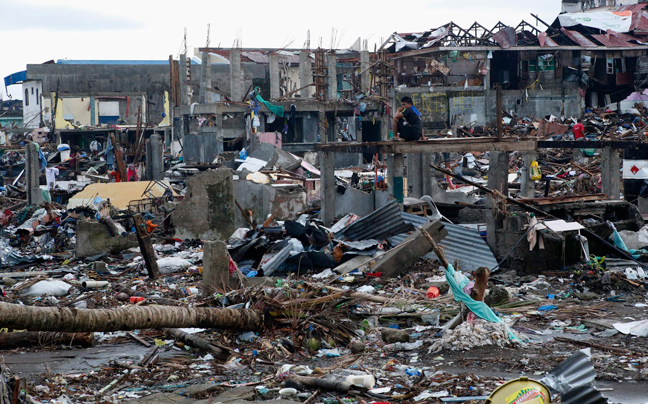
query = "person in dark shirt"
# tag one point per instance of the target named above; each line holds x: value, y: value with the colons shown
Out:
x: 407, y: 122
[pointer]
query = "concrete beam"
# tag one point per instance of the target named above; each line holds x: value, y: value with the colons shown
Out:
x: 610, y: 173
x: 205, y: 78
x: 275, y: 88
x: 594, y: 144
x: 327, y: 187
x: 332, y: 77
x: 449, y: 145
x: 365, y: 77
x: 32, y: 175
x: 415, y: 175
x: 305, y: 74
x: 236, y: 76
x: 527, y: 187
x: 497, y: 181
x: 154, y: 159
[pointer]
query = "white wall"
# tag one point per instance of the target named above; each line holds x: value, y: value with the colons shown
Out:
x: 32, y: 94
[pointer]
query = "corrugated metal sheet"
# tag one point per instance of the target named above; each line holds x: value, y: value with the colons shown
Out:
x: 15, y: 78
x: 583, y: 395
x: 506, y: 37
x: 383, y: 223
x: 257, y: 57
x: 462, y: 244
x: 573, y: 378
x: 614, y: 40
x: 578, y: 38
x: 546, y: 41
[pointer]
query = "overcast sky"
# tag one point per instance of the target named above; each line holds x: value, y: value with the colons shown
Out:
x: 35, y: 31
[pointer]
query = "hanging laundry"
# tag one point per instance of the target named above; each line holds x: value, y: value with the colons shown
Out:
x: 275, y: 109
x: 131, y: 174
x: 50, y: 176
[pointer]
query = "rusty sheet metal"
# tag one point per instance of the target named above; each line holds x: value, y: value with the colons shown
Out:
x: 579, y: 38
x: 545, y: 40
x: 506, y: 37
x: 639, y: 22
x: 612, y: 41
x: 550, y: 128
x: 625, y: 37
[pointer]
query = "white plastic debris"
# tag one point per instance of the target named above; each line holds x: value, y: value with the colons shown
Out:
x: 327, y: 273
x: 48, y: 288
x: 429, y: 394
x: 300, y: 370
x: 366, y: 289
x: 169, y: 265
x: 638, y: 328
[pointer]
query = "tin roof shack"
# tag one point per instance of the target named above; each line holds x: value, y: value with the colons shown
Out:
x: 303, y: 97
x: 451, y: 72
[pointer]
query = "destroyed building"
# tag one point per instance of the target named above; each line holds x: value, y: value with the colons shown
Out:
x: 272, y: 243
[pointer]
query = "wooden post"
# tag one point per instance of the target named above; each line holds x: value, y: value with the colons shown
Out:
x: 146, y: 246
x: 119, y: 158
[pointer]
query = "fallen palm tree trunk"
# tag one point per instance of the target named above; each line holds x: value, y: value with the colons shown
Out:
x: 125, y: 318
x: 10, y: 340
x: 194, y: 341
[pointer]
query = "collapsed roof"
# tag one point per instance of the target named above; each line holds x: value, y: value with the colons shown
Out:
x: 626, y: 26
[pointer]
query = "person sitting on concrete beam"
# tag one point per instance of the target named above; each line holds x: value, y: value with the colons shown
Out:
x: 407, y: 122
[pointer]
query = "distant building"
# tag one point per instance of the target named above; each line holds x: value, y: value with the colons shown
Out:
x: 573, y: 6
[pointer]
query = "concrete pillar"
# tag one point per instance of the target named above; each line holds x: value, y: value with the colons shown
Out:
x: 414, y: 175
x: 305, y: 74
x: 332, y: 76
x: 93, y: 113
x: 154, y: 161
x: 275, y: 88
x: 236, y: 76
x: 527, y: 187
x: 365, y: 78
x: 32, y: 175
x: 327, y: 187
x: 426, y: 173
x: 216, y: 264
x: 610, y: 174
x: 497, y: 180
x: 183, y: 80
x: 205, y: 78
x: 396, y: 178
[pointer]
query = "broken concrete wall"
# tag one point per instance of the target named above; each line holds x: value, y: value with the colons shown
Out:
x: 201, y: 148
x: 358, y: 202
x: 439, y: 107
x: 208, y: 210
x: 284, y: 203
x: 93, y: 238
x: 538, y: 103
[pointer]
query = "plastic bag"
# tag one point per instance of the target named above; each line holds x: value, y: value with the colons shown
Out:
x: 534, y: 172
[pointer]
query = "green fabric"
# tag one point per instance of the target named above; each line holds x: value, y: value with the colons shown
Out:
x: 275, y: 109
x: 481, y: 309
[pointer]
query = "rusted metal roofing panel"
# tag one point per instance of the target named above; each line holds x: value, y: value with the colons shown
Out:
x: 256, y: 57
x: 545, y: 40
x: 506, y: 37
x: 612, y: 41
x: 625, y: 37
x: 579, y: 38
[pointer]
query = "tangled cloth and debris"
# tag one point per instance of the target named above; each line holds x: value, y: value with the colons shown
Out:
x: 471, y: 335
